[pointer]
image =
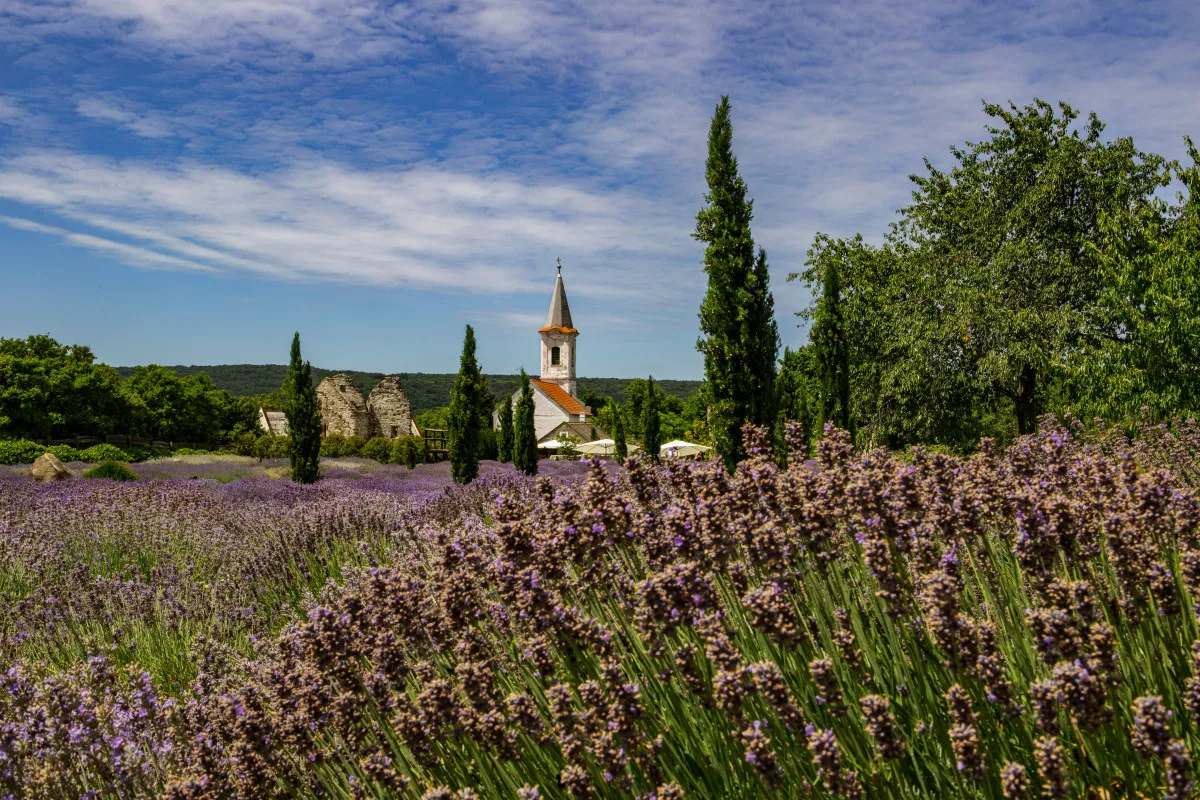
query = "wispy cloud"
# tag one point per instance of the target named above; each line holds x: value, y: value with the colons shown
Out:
x: 147, y: 124
x: 424, y: 228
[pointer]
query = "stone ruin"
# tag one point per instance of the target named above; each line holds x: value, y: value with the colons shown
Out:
x: 389, y: 410
x: 344, y: 412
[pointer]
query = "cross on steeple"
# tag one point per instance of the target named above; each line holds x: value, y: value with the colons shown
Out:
x: 559, y: 260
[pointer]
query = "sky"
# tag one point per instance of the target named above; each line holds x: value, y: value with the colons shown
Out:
x: 190, y: 181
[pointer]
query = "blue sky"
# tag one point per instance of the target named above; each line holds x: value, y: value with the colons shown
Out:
x: 188, y: 181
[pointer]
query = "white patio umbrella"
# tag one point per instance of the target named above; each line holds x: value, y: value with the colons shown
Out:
x: 680, y: 448
x: 603, y: 447
x: 552, y: 444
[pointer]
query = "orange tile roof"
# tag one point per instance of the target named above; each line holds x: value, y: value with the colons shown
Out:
x: 558, y: 328
x: 559, y: 395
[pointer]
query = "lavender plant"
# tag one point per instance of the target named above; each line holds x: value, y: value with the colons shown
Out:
x: 1012, y: 624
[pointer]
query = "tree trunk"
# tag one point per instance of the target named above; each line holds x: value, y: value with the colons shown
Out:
x: 1025, y: 403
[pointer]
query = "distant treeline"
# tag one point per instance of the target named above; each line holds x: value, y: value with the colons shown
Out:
x: 427, y: 391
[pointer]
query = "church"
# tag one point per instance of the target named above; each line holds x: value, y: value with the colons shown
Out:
x: 556, y: 406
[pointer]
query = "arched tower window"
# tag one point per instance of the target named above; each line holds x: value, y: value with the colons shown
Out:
x: 555, y: 356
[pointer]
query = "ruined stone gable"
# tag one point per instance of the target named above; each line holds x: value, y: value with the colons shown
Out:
x: 343, y: 410
x: 389, y: 409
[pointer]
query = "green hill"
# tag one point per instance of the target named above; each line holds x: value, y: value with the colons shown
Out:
x: 425, y: 390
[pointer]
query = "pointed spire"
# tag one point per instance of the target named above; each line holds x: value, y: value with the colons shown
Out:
x: 559, y: 315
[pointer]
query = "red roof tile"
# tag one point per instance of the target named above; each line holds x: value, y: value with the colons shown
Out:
x: 559, y: 395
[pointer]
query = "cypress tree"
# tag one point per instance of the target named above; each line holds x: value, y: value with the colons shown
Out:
x: 739, y: 337
x: 651, y: 425
x: 525, y: 454
x: 467, y: 403
x: 620, y: 449
x: 505, y: 441
x: 831, y: 351
x: 304, y: 418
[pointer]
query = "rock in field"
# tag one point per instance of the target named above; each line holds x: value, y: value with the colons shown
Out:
x: 48, y: 468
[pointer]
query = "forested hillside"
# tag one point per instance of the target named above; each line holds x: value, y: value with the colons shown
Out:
x: 425, y: 390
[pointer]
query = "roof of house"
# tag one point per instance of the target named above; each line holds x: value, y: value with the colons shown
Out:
x: 580, y: 430
x: 559, y: 395
x: 276, y: 422
x: 559, y: 315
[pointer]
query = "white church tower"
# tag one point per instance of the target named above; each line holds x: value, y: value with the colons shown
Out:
x: 558, y: 340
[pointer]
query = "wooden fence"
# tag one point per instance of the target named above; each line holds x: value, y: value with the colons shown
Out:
x: 436, y: 444
x: 83, y: 442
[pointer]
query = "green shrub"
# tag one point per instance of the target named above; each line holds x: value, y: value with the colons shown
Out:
x: 112, y: 470
x: 378, y: 448
x: 191, y: 451
x: 20, y: 451
x: 352, y: 446
x: 245, y: 444
x: 331, y: 445
x: 107, y: 452
x: 409, y: 451
x: 65, y: 452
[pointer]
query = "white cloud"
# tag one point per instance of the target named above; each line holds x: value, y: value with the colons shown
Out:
x: 130, y: 254
x: 148, y: 125
x: 322, y: 221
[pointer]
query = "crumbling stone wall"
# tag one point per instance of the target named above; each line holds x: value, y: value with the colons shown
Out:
x: 389, y: 409
x: 343, y: 410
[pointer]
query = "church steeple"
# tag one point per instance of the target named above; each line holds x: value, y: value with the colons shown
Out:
x: 558, y: 339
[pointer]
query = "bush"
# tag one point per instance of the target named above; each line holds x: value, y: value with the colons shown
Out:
x: 191, y: 451
x: 109, y: 452
x: 245, y: 444
x: 409, y: 451
x: 139, y: 453
x: 378, y: 448
x: 352, y: 446
x: 112, y: 470
x: 64, y: 452
x: 331, y: 445
x: 20, y: 451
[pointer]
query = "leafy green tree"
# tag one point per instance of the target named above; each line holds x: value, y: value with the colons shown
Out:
x: 739, y: 337
x: 468, y: 402
x: 832, y: 352
x: 525, y: 454
x: 620, y: 448
x: 1000, y: 242
x: 988, y: 296
x: 651, y: 424
x: 304, y: 418
x: 505, y: 443
x: 53, y: 390
x: 1149, y: 257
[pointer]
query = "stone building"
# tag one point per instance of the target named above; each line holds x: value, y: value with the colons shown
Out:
x: 556, y: 406
x: 343, y: 410
x: 389, y: 410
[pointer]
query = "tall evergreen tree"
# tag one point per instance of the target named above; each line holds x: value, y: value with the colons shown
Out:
x: 525, y: 454
x: 831, y: 351
x: 304, y: 418
x: 620, y: 449
x: 739, y: 337
x: 651, y: 424
x: 468, y: 402
x: 505, y: 441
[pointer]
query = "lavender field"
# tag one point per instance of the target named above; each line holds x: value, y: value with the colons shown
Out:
x: 1011, y: 624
